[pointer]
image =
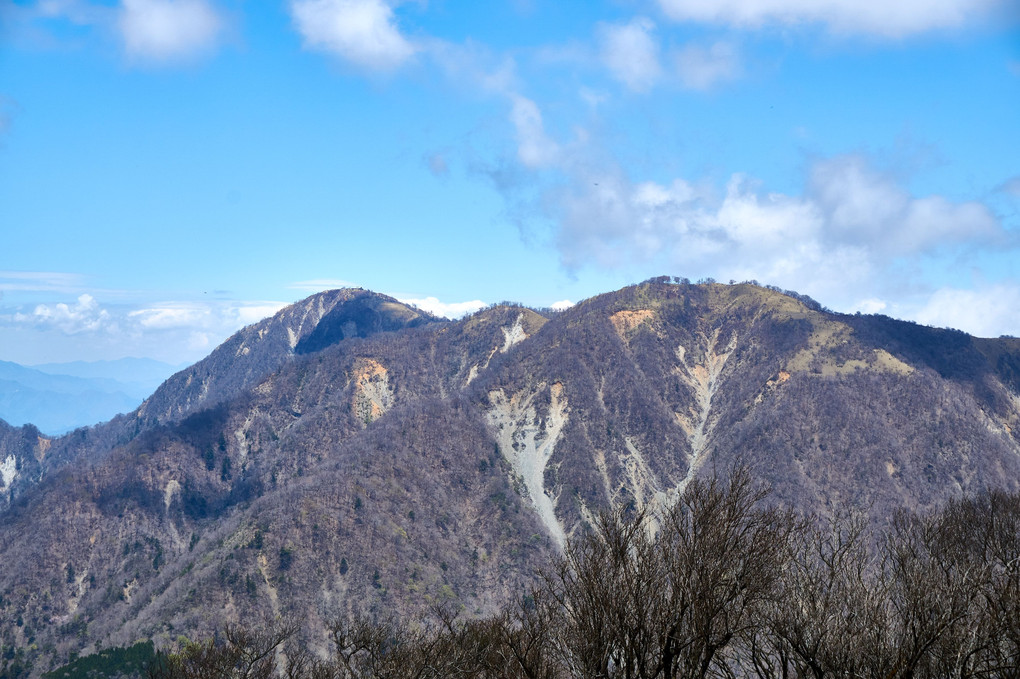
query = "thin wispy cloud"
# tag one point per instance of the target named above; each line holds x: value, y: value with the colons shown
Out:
x: 168, y: 30
x: 631, y: 53
x: 201, y: 315
x: 1011, y: 186
x: 534, y: 147
x: 87, y: 315
x: 437, y: 165
x: 870, y: 17
x: 41, y: 281
x: 171, y: 315
x: 75, y: 11
x: 702, y: 68
x: 8, y: 109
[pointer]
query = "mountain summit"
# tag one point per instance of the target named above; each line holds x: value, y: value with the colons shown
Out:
x: 353, y: 452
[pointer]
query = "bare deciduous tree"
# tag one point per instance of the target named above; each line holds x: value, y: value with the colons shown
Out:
x: 244, y: 653
x: 640, y: 601
x: 718, y: 585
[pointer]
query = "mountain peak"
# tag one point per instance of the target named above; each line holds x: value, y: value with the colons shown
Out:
x: 354, y: 449
x: 361, y: 314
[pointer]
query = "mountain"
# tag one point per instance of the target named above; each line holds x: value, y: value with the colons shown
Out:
x: 137, y: 377
x: 231, y: 368
x: 354, y: 453
x: 58, y: 403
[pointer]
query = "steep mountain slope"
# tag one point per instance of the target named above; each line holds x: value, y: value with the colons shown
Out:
x: 374, y: 460
x: 228, y: 371
x: 261, y: 348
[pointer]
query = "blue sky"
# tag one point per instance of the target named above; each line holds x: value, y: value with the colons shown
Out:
x: 171, y: 170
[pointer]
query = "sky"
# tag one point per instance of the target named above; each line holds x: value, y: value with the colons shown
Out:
x: 172, y: 170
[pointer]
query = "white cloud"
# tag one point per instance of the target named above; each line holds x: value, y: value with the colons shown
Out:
x: 842, y: 239
x: 77, y: 12
x: 562, y: 305
x: 447, y: 310
x: 85, y: 315
x: 363, y: 32
x: 253, y: 312
x: 211, y: 316
x: 987, y: 311
x: 534, y: 148
x: 871, y: 305
x: 167, y: 30
x: 473, y: 67
x: 40, y: 281
x: 701, y: 68
x: 631, y: 53
x: 173, y: 331
x: 593, y: 98
x: 873, y: 17
x: 862, y: 206
x: 199, y: 341
x: 172, y: 315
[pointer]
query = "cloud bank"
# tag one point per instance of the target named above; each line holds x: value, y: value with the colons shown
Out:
x: 847, y: 227
x: 447, y: 310
x: 983, y: 312
x: 84, y: 315
x: 86, y: 329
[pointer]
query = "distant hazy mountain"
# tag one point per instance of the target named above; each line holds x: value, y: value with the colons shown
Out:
x: 59, y: 397
x: 352, y: 452
x: 137, y: 377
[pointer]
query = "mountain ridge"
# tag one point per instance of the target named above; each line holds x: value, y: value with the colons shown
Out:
x: 448, y: 460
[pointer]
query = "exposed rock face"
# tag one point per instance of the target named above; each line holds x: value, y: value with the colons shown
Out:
x: 528, y: 446
x: 352, y: 452
x: 260, y: 349
x: 232, y: 369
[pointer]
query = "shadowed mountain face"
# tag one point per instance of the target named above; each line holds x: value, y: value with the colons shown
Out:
x: 352, y: 452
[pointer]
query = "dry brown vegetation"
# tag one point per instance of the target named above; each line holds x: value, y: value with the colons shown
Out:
x: 279, y: 476
x: 721, y: 585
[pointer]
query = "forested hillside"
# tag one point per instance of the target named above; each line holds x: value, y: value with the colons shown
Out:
x: 353, y: 455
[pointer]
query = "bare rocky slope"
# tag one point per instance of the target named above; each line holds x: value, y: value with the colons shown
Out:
x: 352, y: 452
